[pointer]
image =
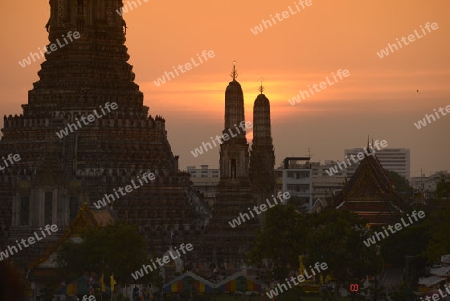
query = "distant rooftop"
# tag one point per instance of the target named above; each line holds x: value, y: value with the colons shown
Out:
x: 296, y: 162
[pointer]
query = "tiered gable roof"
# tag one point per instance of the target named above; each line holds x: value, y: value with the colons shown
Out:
x: 86, y: 219
x: 371, y: 194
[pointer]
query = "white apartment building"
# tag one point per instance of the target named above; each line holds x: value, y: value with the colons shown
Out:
x: 295, y: 177
x: 203, y: 172
x: 206, y: 181
x: 325, y: 186
x: 394, y: 159
x: 319, y: 170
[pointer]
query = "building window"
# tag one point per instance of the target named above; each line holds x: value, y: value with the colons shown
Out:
x: 303, y: 174
x: 73, y: 207
x: 48, y: 208
x: 303, y: 188
x: 24, y: 210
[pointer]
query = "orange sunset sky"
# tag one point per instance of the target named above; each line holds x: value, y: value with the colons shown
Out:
x: 379, y: 98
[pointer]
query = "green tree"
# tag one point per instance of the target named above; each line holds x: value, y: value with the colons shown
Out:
x: 439, y: 243
x: 117, y: 248
x: 401, y: 184
x: 336, y: 238
x: 333, y: 236
x: 280, y: 240
x: 411, y: 240
x: 443, y: 185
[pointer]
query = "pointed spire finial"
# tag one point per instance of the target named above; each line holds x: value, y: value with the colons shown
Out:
x: 261, y: 88
x: 368, y: 145
x: 234, y: 74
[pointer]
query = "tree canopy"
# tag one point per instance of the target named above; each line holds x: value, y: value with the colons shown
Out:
x: 117, y: 249
x: 439, y: 243
x: 401, y: 184
x: 333, y: 236
x: 443, y: 185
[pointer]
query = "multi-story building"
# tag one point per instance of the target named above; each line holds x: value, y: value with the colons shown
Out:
x: 295, y: 177
x: 326, y: 187
x: 319, y: 170
x: 203, y: 172
x: 205, y: 180
x: 394, y: 159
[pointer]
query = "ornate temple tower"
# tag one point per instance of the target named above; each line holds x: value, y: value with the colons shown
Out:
x: 57, y: 174
x: 262, y: 156
x: 230, y: 245
x: 234, y: 155
x: 262, y: 160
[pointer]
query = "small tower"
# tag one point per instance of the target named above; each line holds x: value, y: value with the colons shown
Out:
x: 234, y: 155
x: 262, y: 159
x: 262, y: 156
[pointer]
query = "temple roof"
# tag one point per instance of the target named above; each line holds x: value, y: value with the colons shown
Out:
x: 371, y: 194
x: 87, y: 218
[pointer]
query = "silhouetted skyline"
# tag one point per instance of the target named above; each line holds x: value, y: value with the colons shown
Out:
x: 382, y: 98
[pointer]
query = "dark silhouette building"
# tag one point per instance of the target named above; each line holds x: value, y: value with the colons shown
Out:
x: 96, y: 156
x: 262, y: 155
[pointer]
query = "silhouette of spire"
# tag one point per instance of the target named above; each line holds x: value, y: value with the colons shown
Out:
x: 234, y: 73
x: 262, y: 159
x: 261, y: 88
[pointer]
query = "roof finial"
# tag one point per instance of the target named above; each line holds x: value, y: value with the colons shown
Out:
x: 234, y: 74
x: 261, y: 88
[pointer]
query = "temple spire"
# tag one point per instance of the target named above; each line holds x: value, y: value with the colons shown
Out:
x: 234, y: 74
x: 261, y: 88
x: 262, y: 158
x: 368, y: 142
